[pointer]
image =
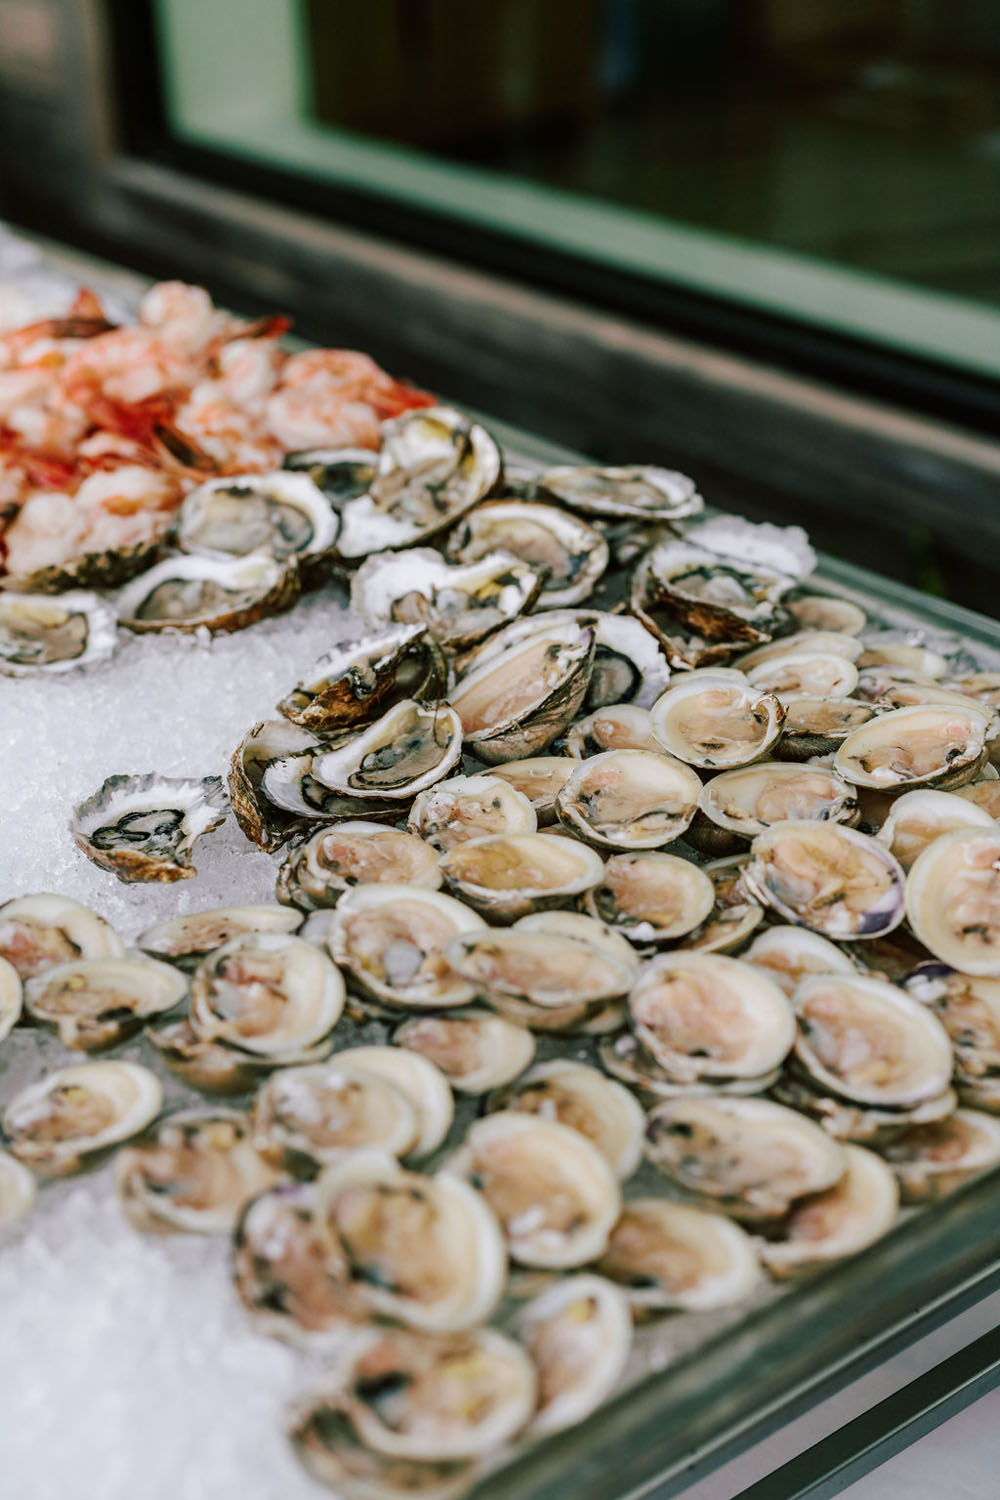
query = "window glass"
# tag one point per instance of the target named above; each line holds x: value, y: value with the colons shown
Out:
x: 835, y: 161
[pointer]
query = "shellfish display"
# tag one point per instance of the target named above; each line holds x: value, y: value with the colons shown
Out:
x: 513, y: 1062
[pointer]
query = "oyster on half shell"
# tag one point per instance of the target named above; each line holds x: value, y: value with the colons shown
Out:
x: 412, y: 746
x: 190, y: 593
x: 459, y: 604
x: 39, y: 634
x: 144, y: 827
x: 354, y: 682
x: 571, y: 554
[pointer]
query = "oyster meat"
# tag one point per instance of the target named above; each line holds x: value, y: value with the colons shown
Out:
x: 281, y: 515
x: 212, y: 593
x: 571, y: 555
x: 39, y: 634
x: 459, y: 604
x: 642, y: 492
x: 144, y: 827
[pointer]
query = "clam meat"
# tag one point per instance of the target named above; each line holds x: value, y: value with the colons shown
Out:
x: 184, y: 941
x: 750, y: 799
x: 508, y: 875
x: 305, y: 1118
x: 917, y: 818
x: 469, y: 807
x: 670, y: 1257
x: 928, y: 745
x: 932, y: 1160
x: 620, y: 726
x: 578, y: 1333
x: 37, y: 932
x: 839, y: 1221
x: 832, y: 879
x: 195, y: 1174
x: 391, y: 940
x: 516, y: 703
x: 651, y: 897
x: 268, y: 993
x: 474, y: 1049
x: 96, y: 1003
x: 714, y: 719
x: 953, y: 899
x: 629, y: 799
x: 420, y: 1080
x: 587, y: 1101
x: 73, y: 1114
x: 317, y: 873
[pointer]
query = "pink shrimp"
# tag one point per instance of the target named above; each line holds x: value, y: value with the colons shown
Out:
x: 47, y: 531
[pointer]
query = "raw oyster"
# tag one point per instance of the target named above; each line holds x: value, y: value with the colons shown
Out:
x: 144, y: 827
x: 584, y: 1099
x: 10, y: 998
x: 196, y: 1173
x: 832, y: 879
x: 508, y: 875
x: 826, y: 612
x: 317, y: 873
x: 268, y: 743
x: 651, y: 897
x: 17, y: 1191
x: 292, y: 1287
x: 208, y: 593
x: 469, y: 807
x: 37, y: 932
x: 746, y: 801
x: 474, y: 1049
x: 305, y: 1118
x: 453, y: 1395
x: 291, y: 786
x: 279, y: 515
x: 424, y: 1250
x: 818, y: 726
x: 392, y: 941
x: 621, y: 726
x: 629, y: 799
x: 640, y: 491
x: 703, y: 1017
x: 929, y: 745
x: 839, y: 1221
x: 353, y: 683
x: 917, y: 818
x: 458, y: 604
x: 714, y: 719
x: 96, y: 1003
x: 434, y: 465
x: 931, y: 1160
x: 553, y: 1192
x: 267, y: 993
x: 539, y: 777
x: 953, y: 899
x: 571, y: 554
x: 518, y: 701
x: 752, y: 1157
x: 56, y: 1125
x: 341, y: 473
x: 579, y: 1334
x: 184, y: 941
x: 673, y: 1257
x: 39, y: 634
x: 791, y: 954
x: 409, y: 748
x: 420, y: 1080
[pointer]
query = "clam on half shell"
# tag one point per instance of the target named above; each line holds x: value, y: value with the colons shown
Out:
x: 267, y: 993
x: 75, y: 1113
x: 629, y: 799
x: 211, y: 593
x: 837, y: 881
x: 750, y: 799
x: 469, y: 807
x: 45, y: 635
x: 672, y: 1256
x: 840, y: 1221
x: 953, y: 899
x: 184, y: 941
x: 585, y: 1099
x: 932, y: 1160
x: 929, y: 745
x: 917, y: 818
x: 622, y: 726
x: 195, y: 1174
x: 651, y: 897
x: 714, y: 719
x: 509, y: 875
x: 391, y: 939
x: 10, y: 998
x: 818, y: 726
x: 98, y: 1002
x: 307, y: 1117
x: 579, y: 1334
x: 330, y: 1448
x: 317, y: 873
x: 474, y: 1049
x: 37, y: 932
x: 144, y: 827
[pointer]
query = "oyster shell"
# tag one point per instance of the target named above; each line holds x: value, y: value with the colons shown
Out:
x: 553, y: 1192
x: 584, y: 1099
x: 819, y: 726
x: 392, y: 941
x: 317, y: 873
x: 354, y: 682
x: 420, y: 1080
x: 96, y: 1003
x: 434, y: 465
x: 474, y: 1049
x: 931, y: 1160
x: 424, y: 1250
x: 39, y: 634
x: 840, y: 1221
x: 305, y: 1118
x: 509, y: 875
x: 267, y: 993
x: 208, y: 593
x: 292, y: 1287
x: 17, y: 1191
x: 469, y: 807
x: 703, y: 1017
x: 579, y: 1334
x: 267, y: 744
x: 458, y: 604
x: 196, y: 1173
x: 651, y: 897
x: 953, y: 899
x: 289, y: 784
x: 571, y: 555
x: 144, y: 827
x: 56, y: 1125
x: 791, y: 954
x: 929, y: 745
x: 622, y: 726
x: 629, y: 799
x: 917, y: 818
x: 539, y: 777
x: 186, y: 940
x: 39, y: 931
x: 715, y: 720
x: 752, y: 1157
x: 409, y: 748
x: 642, y: 491
x: 832, y: 879
x: 279, y: 515
x: 672, y: 1257
x: 518, y: 701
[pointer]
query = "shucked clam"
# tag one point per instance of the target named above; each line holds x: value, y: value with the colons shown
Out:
x: 938, y: 745
x: 469, y: 807
x: 317, y: 873
x: 714, y: 719
x: 578, y: 1332
x: 185, y: 940
x: 143, y: 827
x: 509, y: 875
x: 76, y: 1113
x: 392, y: 939
x: 474, y: 1049
x: 544, y: 979
x: 586, y: 1100
x: 37, y: 932
x: 195, y: 1173
x: 629, y: 799
x: 837, y: 881
x: 746, y: 801
x: 651, y: 897
x: 839, y: 1221
x: 266, y: 993
x: 672, y: 1256
x: 953, y: 899
x: 96, y: 1003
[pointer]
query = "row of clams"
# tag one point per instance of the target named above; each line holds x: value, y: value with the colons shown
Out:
x: 734, y: 843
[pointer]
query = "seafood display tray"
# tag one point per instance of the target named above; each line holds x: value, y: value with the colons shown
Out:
x: 701, y: 1387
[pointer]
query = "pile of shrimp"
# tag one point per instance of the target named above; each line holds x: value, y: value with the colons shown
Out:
x: 104, y: 429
